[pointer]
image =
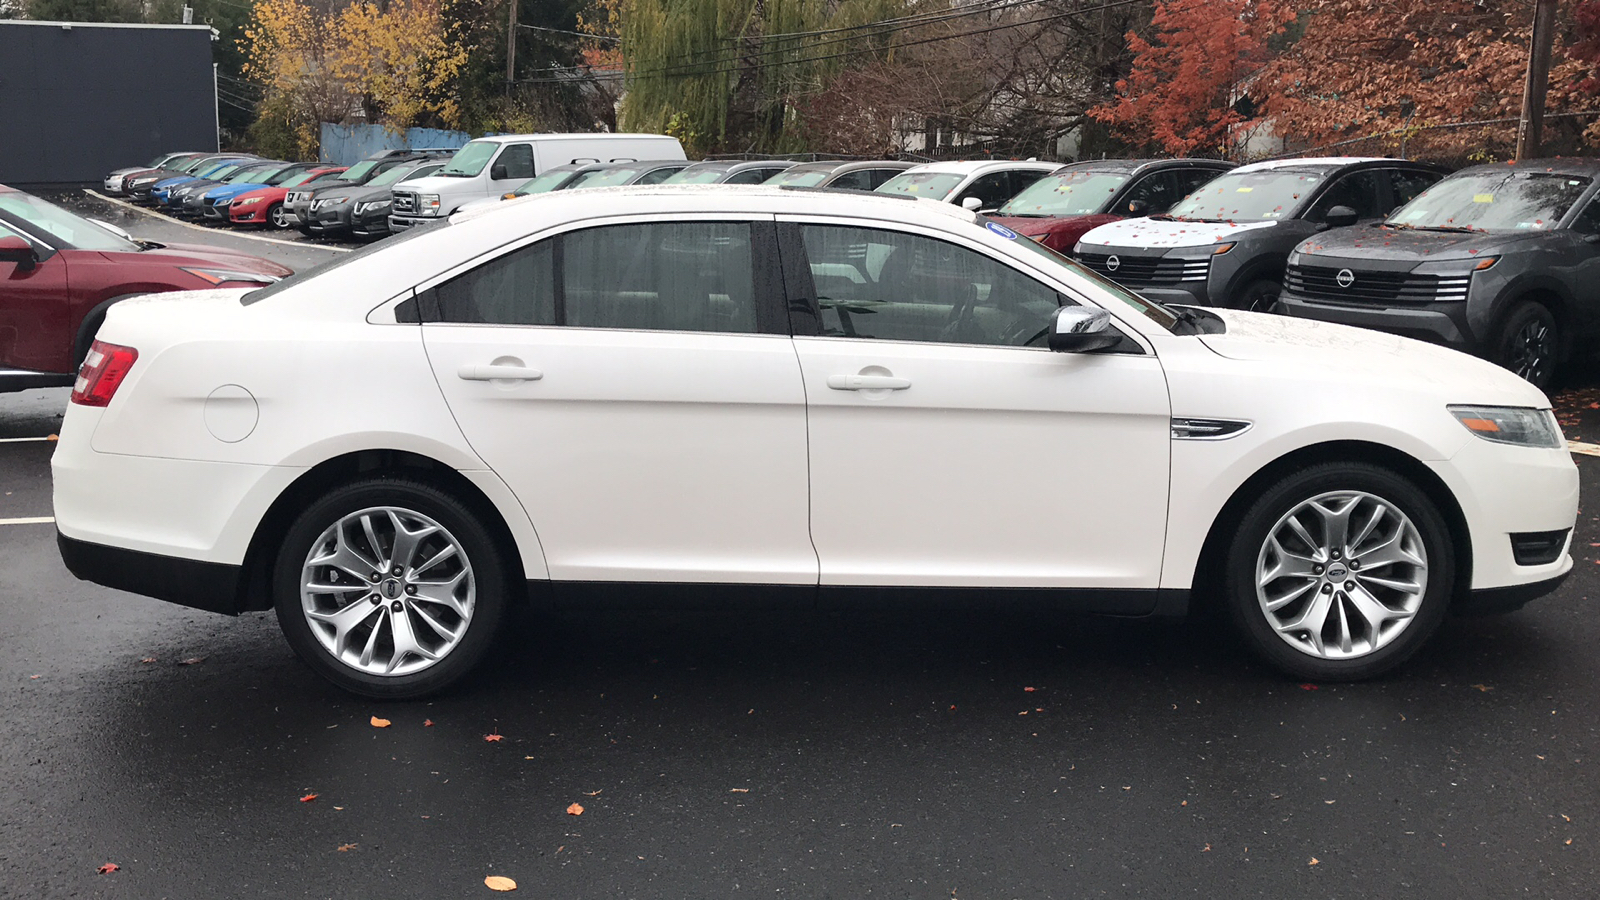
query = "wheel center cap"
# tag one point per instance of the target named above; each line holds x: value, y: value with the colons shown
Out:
x: 1337, y: 572
x: 391, y: 589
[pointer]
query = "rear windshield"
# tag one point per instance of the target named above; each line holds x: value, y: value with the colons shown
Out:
x: 937, y: 185
x: 1079, y: 193
x: 1261, y: 196
x: 303, y: 275
x: 1493, y: 201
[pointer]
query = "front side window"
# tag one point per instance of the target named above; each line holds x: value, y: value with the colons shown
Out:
x: 1588, y: 221
x: 991, y: 190
x: 1158, y: 189
x: 1493, y: 201
x: 893, y: 286
x: 515, y: 162
x: 1361, y: 191
x: 667, y: 276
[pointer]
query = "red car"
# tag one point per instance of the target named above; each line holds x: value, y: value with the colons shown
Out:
x: 59, y: 272
x: 265, y: 206
x: 1059, y: 208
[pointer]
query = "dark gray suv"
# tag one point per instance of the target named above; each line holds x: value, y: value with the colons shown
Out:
x: 1502, y: 261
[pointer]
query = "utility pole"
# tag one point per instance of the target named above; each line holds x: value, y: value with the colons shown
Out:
x: 511, y: 48
x: 1530, y: 131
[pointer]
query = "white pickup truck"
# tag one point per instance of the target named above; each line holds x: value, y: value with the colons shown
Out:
x: 491, y: 166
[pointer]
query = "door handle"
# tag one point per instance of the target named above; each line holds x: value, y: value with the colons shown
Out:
x: 498, y: 373
x: 868, y: 383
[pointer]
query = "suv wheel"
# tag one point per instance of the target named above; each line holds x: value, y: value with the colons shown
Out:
x: 389, y: 588
x: 1339, y: 572
x: 1529, y: 344
x: 1260, y: 295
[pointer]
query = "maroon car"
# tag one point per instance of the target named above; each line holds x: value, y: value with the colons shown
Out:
x: 59, y: 272
x: 1059, y: 208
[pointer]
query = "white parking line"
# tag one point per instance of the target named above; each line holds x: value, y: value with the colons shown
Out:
x: 35, y: 520
x: 21, y: 440
x: 1585, y: 449
x: 253, y: 237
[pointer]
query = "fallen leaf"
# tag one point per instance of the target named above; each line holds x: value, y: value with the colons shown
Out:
x: 148, y: 659
x: 1206, y: 849
x: 1030, y: 690
x: 108, y: 868
x: 427, y: 723
x: 747, y: 790
x: 1330, y: 802
x: 346, y: 848
x: 1184, y: 803
x: 575, y: 810
x: 53, y: 437
x: 192, y: 661
x: 1309, y: 687
x: 494, y: 737
x: 379, y: 723
x: 1569, y: 841
x: 308, y: 798
x: 1567, y: 817
x: 499, y: 883
x: 592, y: 793
x: 1313, y: 861
x: 1483, y: 687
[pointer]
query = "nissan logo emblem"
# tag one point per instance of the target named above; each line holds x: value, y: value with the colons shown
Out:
x: 1112, y: 263
x: 1345, y: 278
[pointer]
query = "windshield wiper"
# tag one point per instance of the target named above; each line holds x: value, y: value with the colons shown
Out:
x: 1453, y: 229
x: 1022, y: 215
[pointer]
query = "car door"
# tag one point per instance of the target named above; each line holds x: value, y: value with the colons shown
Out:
x: 635, y: 385
x: 35, y: 310
x: 947, y: 446
x: 510, y: 168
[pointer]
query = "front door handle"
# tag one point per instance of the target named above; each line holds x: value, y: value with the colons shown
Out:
x: 868, y: 383
x: 498, y: 373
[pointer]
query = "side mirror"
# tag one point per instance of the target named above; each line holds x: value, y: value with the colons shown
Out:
x: 1341, y: 216
x: 971, y: 203
x: 498, y: 172
x: 1081, y: 329
x: 16, y: 250
x: 1138, y: 207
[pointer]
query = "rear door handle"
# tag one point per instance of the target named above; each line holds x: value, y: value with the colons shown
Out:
x: 498, y: 373
x: 868, y: 383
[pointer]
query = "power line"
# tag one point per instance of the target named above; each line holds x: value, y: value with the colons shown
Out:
x: 597, y: 37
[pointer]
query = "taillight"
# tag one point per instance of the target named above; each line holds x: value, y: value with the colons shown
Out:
x: 102, y: 373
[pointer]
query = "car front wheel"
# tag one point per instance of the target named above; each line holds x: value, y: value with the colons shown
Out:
x: 281, y: 218
x: 390, y: 588
x: 1340, y: 572
x: 1529, y: 344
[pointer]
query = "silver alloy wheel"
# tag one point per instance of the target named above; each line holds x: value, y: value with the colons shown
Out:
x: 280, y: 217
x: 387, y: 591
x: 1341, y: 575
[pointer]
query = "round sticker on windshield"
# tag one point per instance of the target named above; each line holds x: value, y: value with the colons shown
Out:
x: 1001, y: 230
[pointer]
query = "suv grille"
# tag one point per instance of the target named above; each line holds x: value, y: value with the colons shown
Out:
x: 1323, y: 283
x: 1147, y: 270
x: 405, y: 202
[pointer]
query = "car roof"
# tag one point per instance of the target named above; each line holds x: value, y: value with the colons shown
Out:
x: 974, y: 166
x: 735, y: 199
x: 603, y: 135
x: 1139, y: 165
x: 1586, y: 166
x: 1324, y: 163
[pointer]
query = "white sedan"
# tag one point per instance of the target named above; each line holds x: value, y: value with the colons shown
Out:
x: 700, y: 395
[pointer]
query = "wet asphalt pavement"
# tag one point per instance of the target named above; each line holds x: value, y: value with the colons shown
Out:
x: 875, y: 754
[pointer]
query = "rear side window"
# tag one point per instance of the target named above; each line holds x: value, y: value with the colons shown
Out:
x: 668, y: 276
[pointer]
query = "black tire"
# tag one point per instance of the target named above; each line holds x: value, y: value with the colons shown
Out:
x: 1260, y: 295
x: 1391, y: 646
x: 279, y: 218
x: 489, y: 575
x: 1529, y: 343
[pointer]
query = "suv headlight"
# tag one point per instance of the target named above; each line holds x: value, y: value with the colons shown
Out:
x: 1456, y: 267
x: 428, y: 204
x: 1517, y: 425
x: 371, y: 205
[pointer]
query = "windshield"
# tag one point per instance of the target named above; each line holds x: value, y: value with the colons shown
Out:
x: 396, y: 174
x: 545, y: 183
x: 803, y: 178
x: 937, y: 185
x: 254, y: 176
x: 300, y: 178
x: 1155, y: 312
x: 692, y: 175
x: 1080, y: 193
x: 196, y: 165
x: 51, y: 219
x: 604, y: 177
x: 1260, y: 196
x: 358, y: 171
x: 1493, y: 201
x: 471, y: 159
x: 221, y: 173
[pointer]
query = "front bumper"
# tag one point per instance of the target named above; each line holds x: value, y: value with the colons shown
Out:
x: 330, y: 220
x: 254, y: 214
x: 373, y: 223
x: 213, y: 587
x: 401, y: 223
x: 1436, y: 323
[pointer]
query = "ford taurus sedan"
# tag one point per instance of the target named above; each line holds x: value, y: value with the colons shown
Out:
x: 701, y: 395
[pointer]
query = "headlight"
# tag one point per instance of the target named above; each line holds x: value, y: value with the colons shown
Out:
x: 1517, y: 425
x: 1457, y: 267
x: 371, y: 205
x: 222, y: 276
x: 430, y: 204
x: 1204, y: 251
x: 250, y: 202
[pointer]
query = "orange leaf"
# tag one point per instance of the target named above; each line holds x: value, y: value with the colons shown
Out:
x: 427, y: 723
x: 308, y: 798
x: 379, y: 723
x: 575, y: 810
x: 1030, y: 690
x: 494, y: 737
x: 500, y: 883
x: 108, y: 868
x: 1309, y: 687
x: 1313, y: 861
x: 346, y: 848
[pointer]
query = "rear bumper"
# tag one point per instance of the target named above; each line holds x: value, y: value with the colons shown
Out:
x: 213, y: 587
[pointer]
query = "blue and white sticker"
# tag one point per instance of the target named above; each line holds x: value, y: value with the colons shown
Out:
x: 1001, y: 230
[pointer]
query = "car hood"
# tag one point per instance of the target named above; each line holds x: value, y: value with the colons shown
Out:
x: 1401, y: 244
x: 433, y: 184
x: 277, y: 192
x: 1291, y: 345
x: 360, y: 194
x: 1167, y: 233
x: 207, y: 257
x: 233, y: 190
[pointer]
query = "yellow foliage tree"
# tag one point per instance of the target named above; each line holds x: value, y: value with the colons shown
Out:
x: 287, y: 52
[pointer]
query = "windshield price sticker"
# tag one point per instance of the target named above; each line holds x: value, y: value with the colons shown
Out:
x: 1482, y: 198
x: 1001, y: 230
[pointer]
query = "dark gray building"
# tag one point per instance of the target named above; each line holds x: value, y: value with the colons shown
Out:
x: 80, y: 99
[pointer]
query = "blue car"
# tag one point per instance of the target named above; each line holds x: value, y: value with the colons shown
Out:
x: 161, y: 192
x: 213, y: 203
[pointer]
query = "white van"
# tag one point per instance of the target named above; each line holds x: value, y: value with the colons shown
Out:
x: 491, y: 166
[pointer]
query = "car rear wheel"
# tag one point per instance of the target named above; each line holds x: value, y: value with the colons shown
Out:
x: 280, y: 218
x: 389, y: 588
x: 1529, y: 344
x: 1339, y: 572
